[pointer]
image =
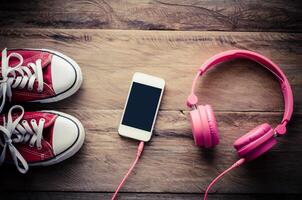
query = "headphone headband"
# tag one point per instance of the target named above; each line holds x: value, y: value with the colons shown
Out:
x: 262, y: 60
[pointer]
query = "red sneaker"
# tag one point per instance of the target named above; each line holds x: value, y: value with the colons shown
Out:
x: 38, y: 75
x: 38, y: 138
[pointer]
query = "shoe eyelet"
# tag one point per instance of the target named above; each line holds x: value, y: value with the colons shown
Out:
x: 39, y: 148
x: 24, y: 121
x: 42, y: 120
x: 31, y: 146
x: 33, y: 121
x: 40, y: 90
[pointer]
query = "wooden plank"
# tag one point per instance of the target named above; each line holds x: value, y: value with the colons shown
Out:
x: 131, y: 196
x: 170, y: 163
x: 227, y: 15
x: 109, y: 59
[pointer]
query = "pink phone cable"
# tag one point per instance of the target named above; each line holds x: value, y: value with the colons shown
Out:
x: 138, y: 155
x: 236, y: 164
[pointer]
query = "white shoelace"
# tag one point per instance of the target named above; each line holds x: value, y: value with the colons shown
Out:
x: 13, y: 131
x: 24, y: 76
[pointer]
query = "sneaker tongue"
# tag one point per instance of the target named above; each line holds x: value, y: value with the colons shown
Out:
x: 48, y: 125
x: 30, y: 56
x: 49, y: 117
x: 33, y: 154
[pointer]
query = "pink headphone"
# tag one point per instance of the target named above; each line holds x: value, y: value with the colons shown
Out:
x: 260, y: 139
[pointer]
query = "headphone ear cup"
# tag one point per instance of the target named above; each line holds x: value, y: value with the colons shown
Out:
x: 196, y: 127
x: 252, y: 135
x: 256, y: 142
x: 261, y: 149
x: 212, y: 124
x: 205, y: 131
x: 204, y: 126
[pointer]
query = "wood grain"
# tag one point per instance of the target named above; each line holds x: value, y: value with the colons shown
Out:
x: 242, y: 93
x: 109, y: 59
x: 131, y: 196
x: 171, y: 163
x: 228, y: 15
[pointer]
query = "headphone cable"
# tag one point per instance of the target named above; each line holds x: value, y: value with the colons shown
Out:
x: 138, y: 155
x: 236, y: 164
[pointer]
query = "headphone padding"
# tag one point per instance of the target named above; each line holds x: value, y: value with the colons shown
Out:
x: 212, y: 124
x: 263, y: 148
x: 252, y: 135
x: 206, y: 131
x: 256, y: 142
x: 204, y: 126
x: 196, y: 127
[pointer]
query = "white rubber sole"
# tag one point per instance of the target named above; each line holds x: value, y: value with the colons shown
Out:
x: 71, y: 90
x: 72, y: 150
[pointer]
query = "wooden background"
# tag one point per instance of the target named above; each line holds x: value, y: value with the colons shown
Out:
x: 169, y: 39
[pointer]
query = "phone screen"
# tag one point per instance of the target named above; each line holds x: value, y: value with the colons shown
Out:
x: 141, y: 106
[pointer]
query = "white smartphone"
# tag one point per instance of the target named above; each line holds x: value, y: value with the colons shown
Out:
x: 141, y: 107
